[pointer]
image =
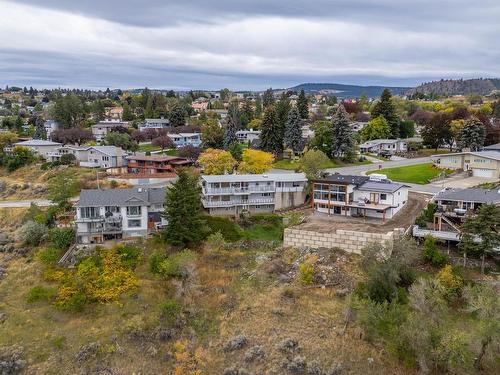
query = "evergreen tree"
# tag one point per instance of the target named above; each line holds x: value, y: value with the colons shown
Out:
x: 472, y: 135
x: 148, y: 109
x: 247, y: 113
x: 177, y: 116
x: 282, y: 109
x: 183, y: 211
x: 302, y: 105
x: 99, y: 110
x: 342, y: 133
x: 40, y: 132
x: 127, y: 113
x: 258, y: 108
x: 293, y: 130
x: 269, y: 138
x: 232, y: 126
x: 268, y: 98
x: 385, y: 107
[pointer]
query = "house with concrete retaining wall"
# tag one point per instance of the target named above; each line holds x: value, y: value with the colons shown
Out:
x: 233, y: 194
x: 359, y: 196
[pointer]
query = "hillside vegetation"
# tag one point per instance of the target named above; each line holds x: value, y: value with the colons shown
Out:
x: 448, y: 87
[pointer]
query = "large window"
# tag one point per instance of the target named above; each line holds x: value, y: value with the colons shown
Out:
x: 134, y: 223
x: 89, y: 212
x: 134, y: 211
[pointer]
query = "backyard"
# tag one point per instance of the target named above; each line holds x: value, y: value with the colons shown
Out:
x: 416, y: 174
x: 295, y: 165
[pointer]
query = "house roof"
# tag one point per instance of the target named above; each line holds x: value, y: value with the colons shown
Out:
x: 382, y: 186
x: 157, y: 120
x: 37, y: 142
x: 110, y: 124
x: 495, y: 147
x: 281, y: 177
x: 165, y: 158
x: 344, y: 179
x: 376, y: 142
x: 495, y: 155
x: 121, y: 197
x: 109, y: 150
x: 187, y: 135
x: 477, y: 195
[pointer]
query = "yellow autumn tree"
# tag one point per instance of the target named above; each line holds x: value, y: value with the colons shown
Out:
x: 215, y: 161
x: 255, y: 161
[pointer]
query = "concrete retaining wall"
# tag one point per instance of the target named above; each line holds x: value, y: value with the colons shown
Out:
x: 347, y: 240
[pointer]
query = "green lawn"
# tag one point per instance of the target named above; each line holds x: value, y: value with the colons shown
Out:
x: 416, y: 174
x: 148, y: 147
x: 295, y: 164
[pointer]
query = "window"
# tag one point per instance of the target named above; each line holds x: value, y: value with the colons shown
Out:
x: 383, y: 197
x: 89, y: 212
x: 112, y: 209
x: 105, y: 158
x: 134, y: 211
x: 134, y: 223
x: 296, y: 184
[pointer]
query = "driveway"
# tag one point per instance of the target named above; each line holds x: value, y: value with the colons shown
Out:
x: 461, y: 182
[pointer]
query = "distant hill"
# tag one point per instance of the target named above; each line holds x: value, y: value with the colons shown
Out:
x: 447, y: 87
x: 348, y: 91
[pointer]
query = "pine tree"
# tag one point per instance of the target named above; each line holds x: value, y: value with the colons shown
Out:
x: 183, y: 211
x: 342, y: 133
x: 384, y: 107
x: 127, y: 113
x: 177, y: 116
x: 40, y: 132
x: 269, y: 138
x: 282, y: 109
x: 293, y: 130
x: 149, y: 110
x: 472, y: 135
x: 268, y: 98
x: 232, y: 126
x: 303, y: 106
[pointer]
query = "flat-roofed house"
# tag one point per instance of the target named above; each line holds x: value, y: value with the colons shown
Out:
x: 481, y: 163
x: 359, y: 196
x: 146, y: 165
x: 185, y: 139
x: 232, y: 194
x: 155, y: 123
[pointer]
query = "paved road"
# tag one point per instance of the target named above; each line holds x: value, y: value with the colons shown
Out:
x: 16, y: 204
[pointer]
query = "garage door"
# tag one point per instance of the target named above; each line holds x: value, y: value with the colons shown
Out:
x: 477, y: 172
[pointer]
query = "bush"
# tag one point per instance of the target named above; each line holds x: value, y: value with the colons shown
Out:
x: 67, y: 159
x: 427, y: 215
x: 70, y: 299
x: 227, y: 227
x: 431, y: 253
x: 40, y: 293
x: 307, y: 271
x: 452, y: 282
x: 174, y: 265
x: 130, y: 255
x: 216, y: 241
x: 155, y: 261
x: 32, y: 233
x: 170, y: 310
x: 49, y: 256
x: 62, y: 238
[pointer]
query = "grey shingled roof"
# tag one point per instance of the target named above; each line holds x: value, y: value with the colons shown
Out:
x: 470, y: 195
x: 495, y: 147
x: 121, y: 197
x: 109, y: 150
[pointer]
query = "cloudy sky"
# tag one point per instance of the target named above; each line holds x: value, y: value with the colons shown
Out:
x: 254, y: 44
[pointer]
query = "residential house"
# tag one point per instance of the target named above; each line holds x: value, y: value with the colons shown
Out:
x: 50, y: 126
x: 147, y: 165
x: 233, y: 194
x: 104, y: 157
x: 155, y: 123
x: 358, y: 125
x: 359, y: 196
x: 40, y: 147
x: 495, y: 147
x: 102, y: 128
x: 114, y: 114
x: 480, y: 163
x: 387, y: 146
x: 245, y: 136
x: 185, y: 139
x: 118, y: 214
x: 200, y: 105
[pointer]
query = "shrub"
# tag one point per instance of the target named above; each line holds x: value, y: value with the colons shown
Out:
x: 155, y: 261
x: 113, y: 184
x: 227, y: 227
x: 32, y: 233
x: 130, y: 255
x: 427, y: 215
x: 452, y: 282
x: 431, y: 253
x: 67, y: 159
x: 62, y: 238
x: 49, y: 256
x: 307, y: 271
x: 39, y: 293
x: 174, y: 265
x: 216, y: 241
x: 170, y: 310
x: 70, y: 299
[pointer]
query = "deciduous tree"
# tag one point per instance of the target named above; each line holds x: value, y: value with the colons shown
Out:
x: 378, y: 128
x: 255, y: 161
x: 214, y: 161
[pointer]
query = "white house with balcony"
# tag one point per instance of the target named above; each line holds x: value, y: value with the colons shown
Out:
x: 91, y: 156
x: 389, y: 146
x: 185, y: 139
x: 40, y: 147
x: 154, y: 123
x: 359, y: 196
x: 103, y: 215
x: 233, y: 194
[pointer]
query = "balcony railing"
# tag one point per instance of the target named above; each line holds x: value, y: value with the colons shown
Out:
x: 238, y: 190
x: 207, y: 203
